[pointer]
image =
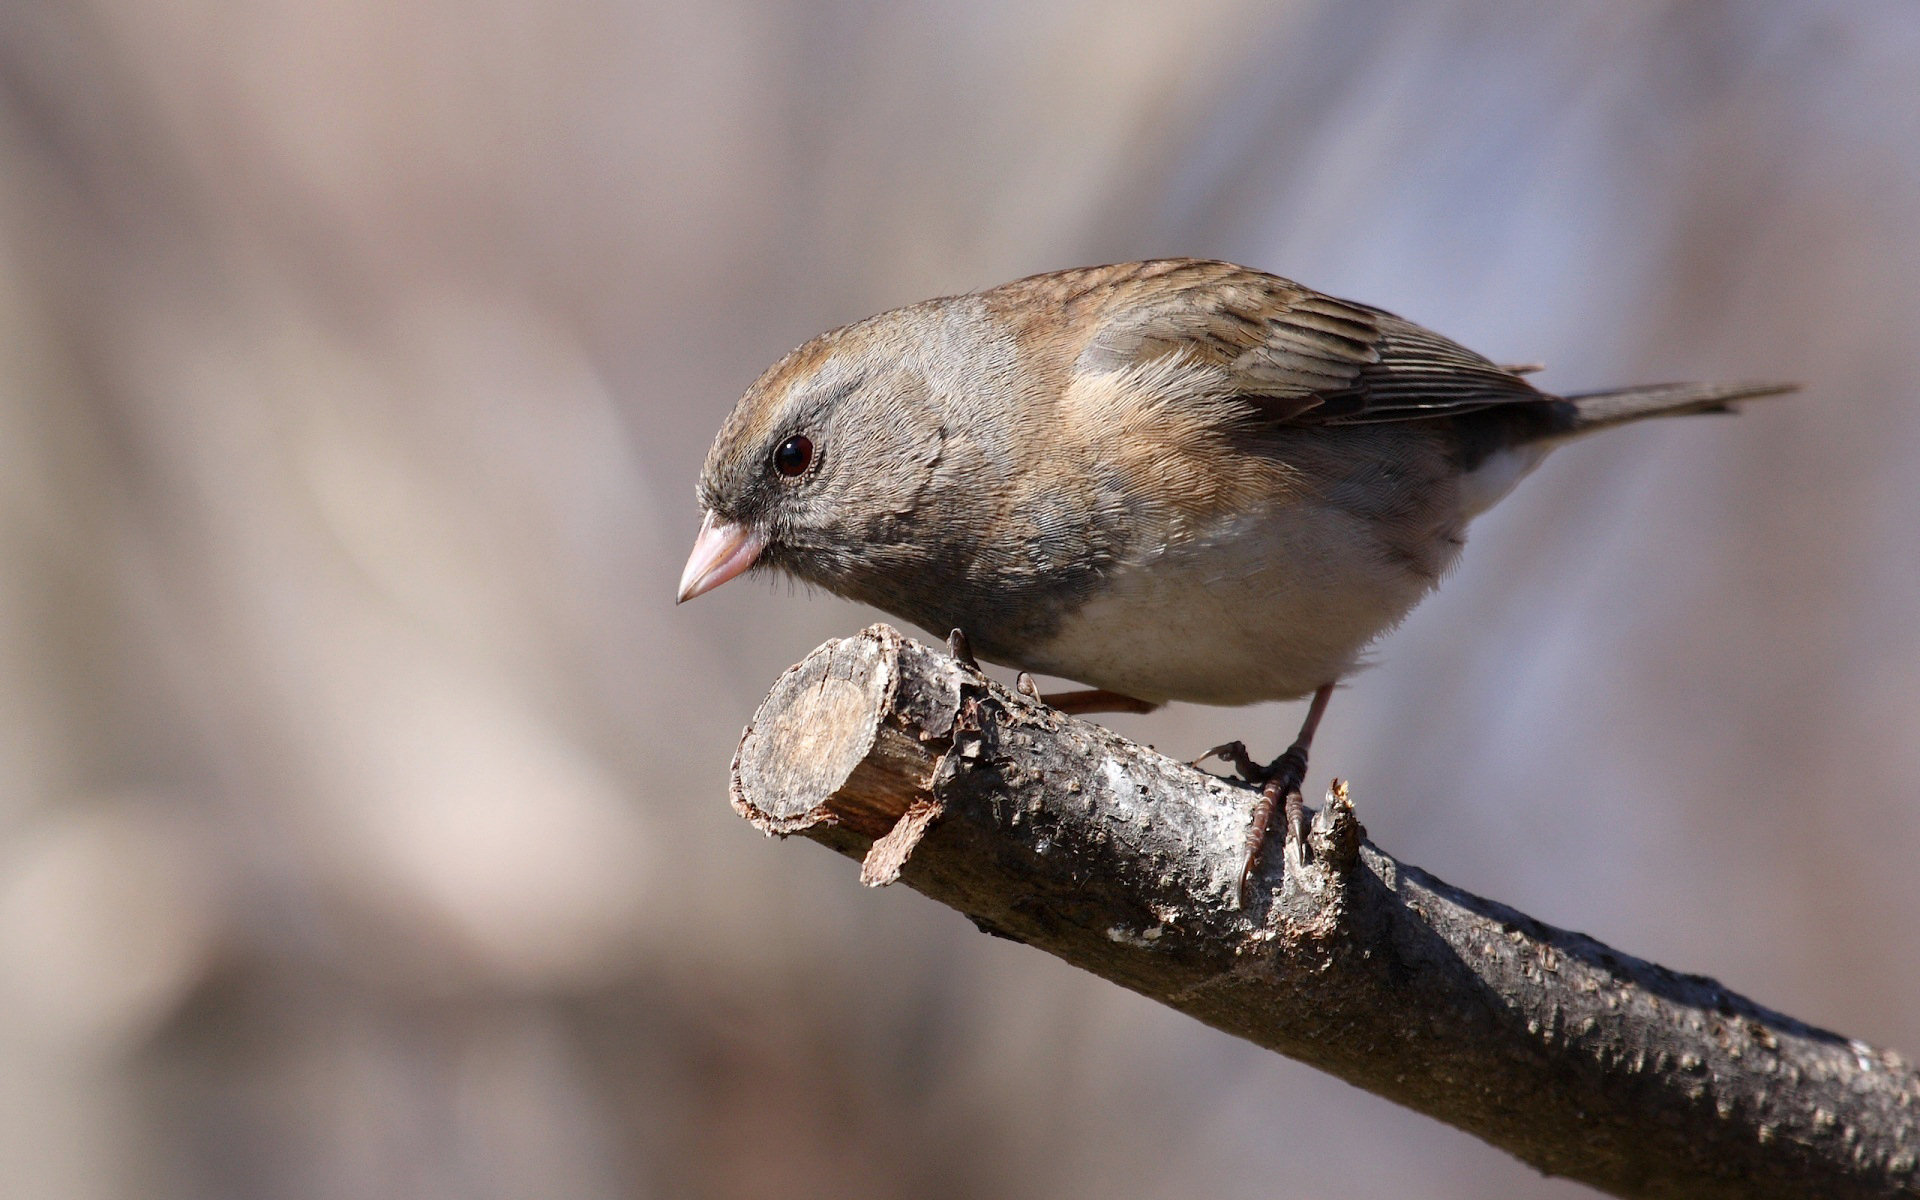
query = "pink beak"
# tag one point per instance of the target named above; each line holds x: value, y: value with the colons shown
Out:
x: 722, y: 551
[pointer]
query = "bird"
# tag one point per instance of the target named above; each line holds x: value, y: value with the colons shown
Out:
x: 1175, y: 479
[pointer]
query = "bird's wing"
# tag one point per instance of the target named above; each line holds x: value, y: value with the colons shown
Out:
x: 1299, y: 356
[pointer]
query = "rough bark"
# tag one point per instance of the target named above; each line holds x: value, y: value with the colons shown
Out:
x: 1578, y: 1059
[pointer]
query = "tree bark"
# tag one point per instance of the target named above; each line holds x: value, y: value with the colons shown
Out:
x: 1580, y: 1060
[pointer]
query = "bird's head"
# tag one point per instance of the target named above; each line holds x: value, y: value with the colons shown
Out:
x: 822, y: 465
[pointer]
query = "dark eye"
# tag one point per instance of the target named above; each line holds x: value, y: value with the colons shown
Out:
x: 793, y: 456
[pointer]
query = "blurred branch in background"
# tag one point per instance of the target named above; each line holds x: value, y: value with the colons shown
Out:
x: 356, y: 361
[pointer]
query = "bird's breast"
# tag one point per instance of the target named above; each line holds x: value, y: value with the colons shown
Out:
x: 1262, y: 605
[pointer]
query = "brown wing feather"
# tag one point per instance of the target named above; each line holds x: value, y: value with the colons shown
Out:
x: 1300, y: 356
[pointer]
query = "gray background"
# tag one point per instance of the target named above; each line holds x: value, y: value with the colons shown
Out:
x: 362, y: 817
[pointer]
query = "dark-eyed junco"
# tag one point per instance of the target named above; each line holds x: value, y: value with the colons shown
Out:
x: 1172, y: 480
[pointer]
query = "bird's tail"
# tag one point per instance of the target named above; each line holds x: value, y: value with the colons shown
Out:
x: 1592, y: 411
x: 1502, y: 444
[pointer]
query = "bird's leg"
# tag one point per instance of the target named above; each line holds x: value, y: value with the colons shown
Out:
x: 1280, y: 787
x: 1096, y: 700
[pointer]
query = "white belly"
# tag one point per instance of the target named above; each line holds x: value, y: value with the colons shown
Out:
x: 1262, y: 607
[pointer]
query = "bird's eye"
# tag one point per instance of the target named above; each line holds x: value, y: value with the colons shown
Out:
x: 794, y: 456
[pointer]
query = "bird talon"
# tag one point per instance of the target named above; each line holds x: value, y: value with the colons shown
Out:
x: 962, y: 650
x: 1279, y: 783
x: 1028, y: 688
x: 1235, y: 754
x: 1276, y: 793
x: 1297, y: 846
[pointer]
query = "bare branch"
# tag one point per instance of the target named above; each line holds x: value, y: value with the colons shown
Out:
x: 1580, y: 1060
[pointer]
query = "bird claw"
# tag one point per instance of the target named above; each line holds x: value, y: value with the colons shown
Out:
x: 962, y: 651
x: 1279, y: 789
x: 1279, y: 783
x: 1235, y: 753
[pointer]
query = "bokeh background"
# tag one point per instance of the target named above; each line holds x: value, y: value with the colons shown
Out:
x: 363, y: 826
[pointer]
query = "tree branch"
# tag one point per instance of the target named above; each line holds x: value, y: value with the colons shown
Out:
x: 1580, y: 1060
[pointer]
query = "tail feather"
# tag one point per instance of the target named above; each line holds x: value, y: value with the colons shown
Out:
x: 1601, y: 410
x: 1500, y: 445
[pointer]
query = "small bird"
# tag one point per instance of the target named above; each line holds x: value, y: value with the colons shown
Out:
x: 1170, y: 480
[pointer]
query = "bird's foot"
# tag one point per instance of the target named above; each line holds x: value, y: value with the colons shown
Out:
x: 1279, y: 790
x: 1279, y: 783
x: 962, y: 651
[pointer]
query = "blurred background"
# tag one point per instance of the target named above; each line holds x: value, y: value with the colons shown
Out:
x: 363, y: 822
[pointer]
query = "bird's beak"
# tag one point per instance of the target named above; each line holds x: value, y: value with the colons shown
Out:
x: 722, y: 551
